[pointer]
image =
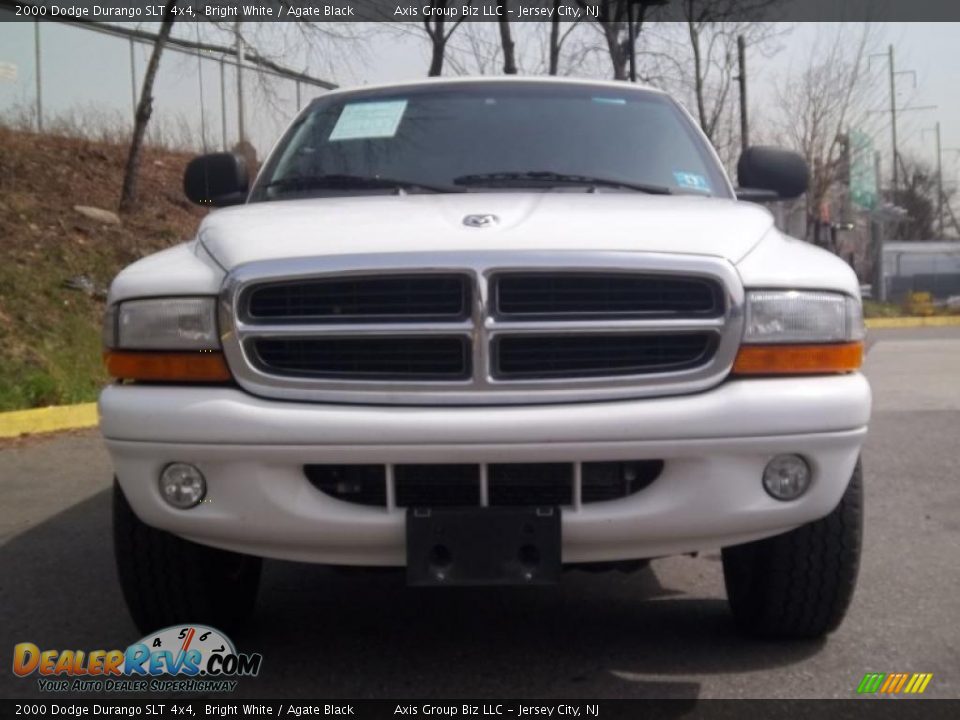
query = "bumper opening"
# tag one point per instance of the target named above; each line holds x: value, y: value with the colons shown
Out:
x: 493, y: 485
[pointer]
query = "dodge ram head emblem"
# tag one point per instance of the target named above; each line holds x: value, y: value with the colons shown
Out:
x: 480, y: 221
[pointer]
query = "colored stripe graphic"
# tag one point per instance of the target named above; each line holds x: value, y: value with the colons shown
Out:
x: 894, y: 683
x: 871, y: 682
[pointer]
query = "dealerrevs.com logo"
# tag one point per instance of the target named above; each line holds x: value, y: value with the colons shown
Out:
x: 183, y: 658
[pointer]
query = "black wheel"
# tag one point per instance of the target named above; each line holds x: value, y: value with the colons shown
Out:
x: 167, y: 580
x: 799, y: 584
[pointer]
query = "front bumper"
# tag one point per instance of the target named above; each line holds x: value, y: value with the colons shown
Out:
x: 714, y: 444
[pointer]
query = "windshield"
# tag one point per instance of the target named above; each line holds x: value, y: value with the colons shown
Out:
x: 473, y: 137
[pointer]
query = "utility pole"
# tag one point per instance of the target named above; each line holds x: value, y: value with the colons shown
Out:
x: 893, y: 113
x: 893, y: 119
x: 742, y: 81
x: 936, y: 132
x: 876, y: 231
x: 36, y: 49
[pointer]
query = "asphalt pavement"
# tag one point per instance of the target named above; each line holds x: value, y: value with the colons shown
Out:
x: 661, y: 632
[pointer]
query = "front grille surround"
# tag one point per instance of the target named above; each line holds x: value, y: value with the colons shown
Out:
x: 482, y: 328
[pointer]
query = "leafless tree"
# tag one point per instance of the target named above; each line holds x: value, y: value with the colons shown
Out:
x: 817, y: 107
x: 475, y: 51
x: 620, y: 25
x: 918, y: 196
x: 128, y: 190
x: 558, y: 38
x: 315, y: 42
x: 438, y: 31
x: 506, y: 40
x: 711, y: 29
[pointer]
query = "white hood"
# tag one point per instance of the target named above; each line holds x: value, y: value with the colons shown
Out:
x: 527, y: 221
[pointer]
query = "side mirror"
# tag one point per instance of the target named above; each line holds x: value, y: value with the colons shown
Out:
x: 217, y: 179
x: 767, y: 173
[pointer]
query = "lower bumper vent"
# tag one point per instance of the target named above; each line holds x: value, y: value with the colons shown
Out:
x: 508, y: 484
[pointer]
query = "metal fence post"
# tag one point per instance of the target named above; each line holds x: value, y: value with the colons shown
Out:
x: 223, y: 104
x: 36, y: 49
x: 133, y: 81
x: 241, y: 130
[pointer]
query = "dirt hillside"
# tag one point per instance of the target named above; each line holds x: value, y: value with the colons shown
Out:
x: 55, y: 262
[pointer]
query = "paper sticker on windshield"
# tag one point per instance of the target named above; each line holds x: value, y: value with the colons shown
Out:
x: 363, y: 120
x: 691, y: 181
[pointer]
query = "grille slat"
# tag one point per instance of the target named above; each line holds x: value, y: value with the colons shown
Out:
x: 584, y: 295
x: 539, y: 356
x: 362, y: 299
x: 433, y: 358
x: 437, y: 485
x: 530, y: 484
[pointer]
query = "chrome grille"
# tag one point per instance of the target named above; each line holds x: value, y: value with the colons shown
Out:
x: 481, y: 328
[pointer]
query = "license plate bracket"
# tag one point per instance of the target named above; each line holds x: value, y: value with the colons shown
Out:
x: 483, y: 546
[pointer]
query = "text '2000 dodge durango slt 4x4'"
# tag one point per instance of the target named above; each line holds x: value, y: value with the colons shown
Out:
x: 484, y: 330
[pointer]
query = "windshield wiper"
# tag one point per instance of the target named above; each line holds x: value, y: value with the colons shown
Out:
x: 352, y: 182
x: 539, y: 178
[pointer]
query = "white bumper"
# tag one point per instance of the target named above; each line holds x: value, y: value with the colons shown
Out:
x: 714, y: 445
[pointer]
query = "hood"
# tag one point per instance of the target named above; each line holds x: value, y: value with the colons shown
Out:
x: 527, y: 221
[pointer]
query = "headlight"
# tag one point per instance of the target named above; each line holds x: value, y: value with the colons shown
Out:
x: 800, y: 316
x: 800, y: 332
x: 164, y: 340
x: 165, y: 324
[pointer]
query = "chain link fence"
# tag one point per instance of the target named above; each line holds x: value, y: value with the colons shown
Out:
x: 84, y: 79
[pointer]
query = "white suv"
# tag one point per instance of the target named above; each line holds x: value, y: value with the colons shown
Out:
x: 485, y: 330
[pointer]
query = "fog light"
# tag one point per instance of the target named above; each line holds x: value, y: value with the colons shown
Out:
x: 786, y: 477
x: 182, y: 485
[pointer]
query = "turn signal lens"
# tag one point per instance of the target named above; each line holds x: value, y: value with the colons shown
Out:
x: 798, y: 359
x: 167, y: 366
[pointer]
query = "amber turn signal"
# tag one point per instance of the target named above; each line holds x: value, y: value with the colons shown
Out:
x: 167, y: 366
x: 798, y: 359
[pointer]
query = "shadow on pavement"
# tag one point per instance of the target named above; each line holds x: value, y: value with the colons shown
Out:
x: 327, y: 633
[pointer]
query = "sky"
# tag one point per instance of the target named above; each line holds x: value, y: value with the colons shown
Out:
x: 86, y: 76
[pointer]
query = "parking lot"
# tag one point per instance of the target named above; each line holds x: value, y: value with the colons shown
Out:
x: 661, y: 632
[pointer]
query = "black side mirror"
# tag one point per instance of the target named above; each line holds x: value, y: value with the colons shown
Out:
x: 217, y: 179
x: 767, y: 173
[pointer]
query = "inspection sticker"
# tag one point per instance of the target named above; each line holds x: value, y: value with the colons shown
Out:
x: 691, y: 181
x: 365, y: 120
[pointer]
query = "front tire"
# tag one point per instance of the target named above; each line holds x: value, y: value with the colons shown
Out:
x: 799, y: 584
x: 167, y: 580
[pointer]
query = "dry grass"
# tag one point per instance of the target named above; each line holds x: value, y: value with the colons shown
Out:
x: 49, y: 335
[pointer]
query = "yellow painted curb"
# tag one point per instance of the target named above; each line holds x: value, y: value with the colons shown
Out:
x: 48, y: 419
x: 912, y: 322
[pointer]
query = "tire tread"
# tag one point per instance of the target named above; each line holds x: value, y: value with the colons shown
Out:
x: 799, y: 584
